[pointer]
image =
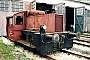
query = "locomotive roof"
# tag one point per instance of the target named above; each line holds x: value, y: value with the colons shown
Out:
x: 9, y: 16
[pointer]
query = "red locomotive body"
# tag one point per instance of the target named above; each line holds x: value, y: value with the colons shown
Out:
x: 53, y: 22
x: 21, y: 21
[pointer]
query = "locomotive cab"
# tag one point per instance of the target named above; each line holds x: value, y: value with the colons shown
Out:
x: 15, y: 24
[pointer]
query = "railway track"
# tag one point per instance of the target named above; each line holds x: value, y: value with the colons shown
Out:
x: 77, y: 51
x: 85, y: 43
x: 82, y: 40
x: 76, y: 54
x: 49, y: 58
x: 70, y: 51
x: 81, y: 44
x: 87, y: 35
x: 33, y: 50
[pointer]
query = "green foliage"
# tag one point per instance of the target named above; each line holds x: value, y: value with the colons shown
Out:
x: 82, y: 32
x: 7, y: 51
x: 24, y: 55
x: 23, y: 59
x: 23, y: 50
x: 87, y: 54
x: 16, y: 45
x: 17, y: 51
x: 32, y: 59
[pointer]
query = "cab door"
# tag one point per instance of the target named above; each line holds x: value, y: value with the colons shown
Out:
x: 9, y: 28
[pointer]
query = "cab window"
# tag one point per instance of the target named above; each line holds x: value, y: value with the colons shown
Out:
x: 18, y: 20
x: 10, y: 22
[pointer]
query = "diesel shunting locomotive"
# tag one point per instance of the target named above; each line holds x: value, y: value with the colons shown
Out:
x: 39, y: 31
x: 44, y: 31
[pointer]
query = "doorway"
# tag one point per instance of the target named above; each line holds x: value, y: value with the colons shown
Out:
x: 69, y: 18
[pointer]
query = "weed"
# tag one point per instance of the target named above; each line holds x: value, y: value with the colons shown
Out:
x: 24, y: 55
x: 7, y: 51
x: 32, y: 59
x: 16, y: 45
x: 17, y: 51
x: 23, y: 50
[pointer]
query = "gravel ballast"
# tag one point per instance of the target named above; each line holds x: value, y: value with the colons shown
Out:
x: 56, y: 55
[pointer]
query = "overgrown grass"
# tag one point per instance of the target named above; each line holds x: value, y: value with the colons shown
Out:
x: 6, y: 51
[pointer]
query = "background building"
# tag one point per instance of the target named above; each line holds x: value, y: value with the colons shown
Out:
x: 8, y: 8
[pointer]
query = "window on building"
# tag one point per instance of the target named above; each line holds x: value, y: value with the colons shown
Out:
x: 17, y: 6
x: 18, y: 20
x: 4, y: 5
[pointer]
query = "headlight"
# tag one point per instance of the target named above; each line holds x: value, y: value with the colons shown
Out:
x: 44, y: 27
